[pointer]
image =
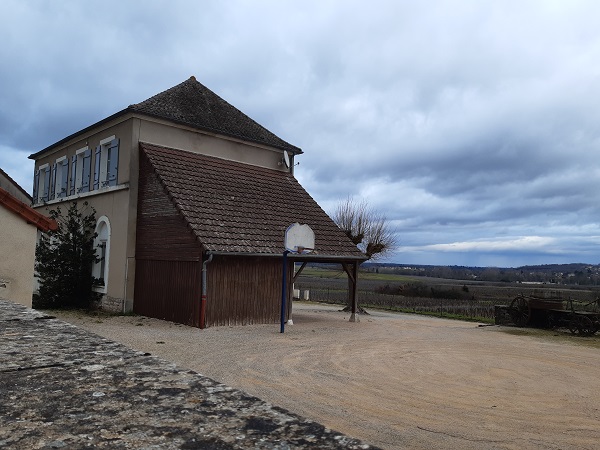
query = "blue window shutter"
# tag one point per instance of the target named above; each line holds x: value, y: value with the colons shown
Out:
x: 64, y: 182
x: 53, y: 182
x: 73, y: 174
x: 46, y: 184
x: 36, y: 184
x: 113, y: 163
x: 97, y: 167
x: 86, y: 171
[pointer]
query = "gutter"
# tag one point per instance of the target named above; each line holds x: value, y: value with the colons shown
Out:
x: 204, y: 290
x: 131, y: 109
x: 80, y: 132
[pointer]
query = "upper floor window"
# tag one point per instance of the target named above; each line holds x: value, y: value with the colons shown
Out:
x: 41, y: 184
x: 106, y: 163
x: 60, y: 176
x: 60, y: 181
x: 82, y: 161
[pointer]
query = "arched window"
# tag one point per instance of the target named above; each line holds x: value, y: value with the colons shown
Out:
x: 102, y: 247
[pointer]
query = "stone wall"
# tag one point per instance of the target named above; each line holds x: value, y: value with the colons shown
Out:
x: 63, y: 387
x: 111, y: 304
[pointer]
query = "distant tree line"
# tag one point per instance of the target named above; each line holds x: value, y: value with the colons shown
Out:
x: 566, y: 274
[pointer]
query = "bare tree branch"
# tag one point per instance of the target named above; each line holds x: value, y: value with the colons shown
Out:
x: 366, y: 228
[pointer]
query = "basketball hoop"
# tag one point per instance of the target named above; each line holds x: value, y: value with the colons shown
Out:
x: 299, y: 239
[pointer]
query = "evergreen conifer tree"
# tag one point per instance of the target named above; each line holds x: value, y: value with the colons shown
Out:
x: 64, y: 260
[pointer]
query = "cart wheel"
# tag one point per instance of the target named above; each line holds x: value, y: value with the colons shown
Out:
x: 582, y: 325
x: 520, y: 311
x: 574, y: 324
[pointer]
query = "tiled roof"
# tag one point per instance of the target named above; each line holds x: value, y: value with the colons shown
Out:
x: 191, y: 103
x: 26, y: 212
x: 235, y: 207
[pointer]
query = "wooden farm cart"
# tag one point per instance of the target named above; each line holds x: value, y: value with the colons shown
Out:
x: 551, y: 313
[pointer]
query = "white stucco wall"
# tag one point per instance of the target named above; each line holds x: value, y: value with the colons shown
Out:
x: 17, y: 256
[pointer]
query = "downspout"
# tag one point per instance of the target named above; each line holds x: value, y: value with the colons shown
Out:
x: 203, y: 298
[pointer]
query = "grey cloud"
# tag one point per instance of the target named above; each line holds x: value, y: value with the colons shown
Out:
x: 461, y: 121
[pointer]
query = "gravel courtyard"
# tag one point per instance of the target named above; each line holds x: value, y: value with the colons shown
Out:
x: 395, y: 380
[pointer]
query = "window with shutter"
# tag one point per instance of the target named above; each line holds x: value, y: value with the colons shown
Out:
x: 86, y: 171
x: 64, y: 178
x: 73, y: 174
x: 60, y: 178
x: 113, y: 162
x: 36, y: 181
x: 45, y: 177
x: 109, y: 161
x: 97, y: 158
x: 53, y: 182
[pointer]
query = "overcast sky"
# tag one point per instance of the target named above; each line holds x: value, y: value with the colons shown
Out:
x: 473, y: 125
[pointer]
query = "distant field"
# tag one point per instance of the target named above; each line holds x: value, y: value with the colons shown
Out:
x: 468, y: 300
x: 317, y: 272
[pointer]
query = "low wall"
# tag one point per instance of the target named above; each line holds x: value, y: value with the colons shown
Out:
x: 63, y: 387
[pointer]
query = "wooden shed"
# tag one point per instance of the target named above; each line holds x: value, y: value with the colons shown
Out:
x: 196, y: 211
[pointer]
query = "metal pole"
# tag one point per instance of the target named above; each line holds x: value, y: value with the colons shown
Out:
x: 284, y: 291
x: 204, y: 290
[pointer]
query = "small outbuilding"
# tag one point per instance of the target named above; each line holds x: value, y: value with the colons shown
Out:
x: 19, y: 224
x: 196, y: 208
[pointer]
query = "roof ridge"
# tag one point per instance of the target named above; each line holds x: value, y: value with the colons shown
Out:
x: 193, y: 104
x: 192, y: 78
x: 175, y: 106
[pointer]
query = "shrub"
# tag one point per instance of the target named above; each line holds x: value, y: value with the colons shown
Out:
x: 64, y: 260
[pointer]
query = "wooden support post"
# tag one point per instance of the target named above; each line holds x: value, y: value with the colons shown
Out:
x: 299, y: 271
x: 353, y: 291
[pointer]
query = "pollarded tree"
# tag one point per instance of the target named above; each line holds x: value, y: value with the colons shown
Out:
x: 367, y: 228
x: 64, y: 259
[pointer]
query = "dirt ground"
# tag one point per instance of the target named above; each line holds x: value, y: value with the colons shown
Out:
x: 395, y: 380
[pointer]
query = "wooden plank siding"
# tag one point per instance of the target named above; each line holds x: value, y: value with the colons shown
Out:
x: 240, y: 290
x: 244, y: 290
x: 168, y: 290
x: 168, y: 256
x: 162, y: 232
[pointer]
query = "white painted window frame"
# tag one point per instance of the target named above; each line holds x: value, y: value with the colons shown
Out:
x: 96, y: 269
x: 42, y: 183
x: 79, y: 168
x: 104, y: 145
x: 58, y: 177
